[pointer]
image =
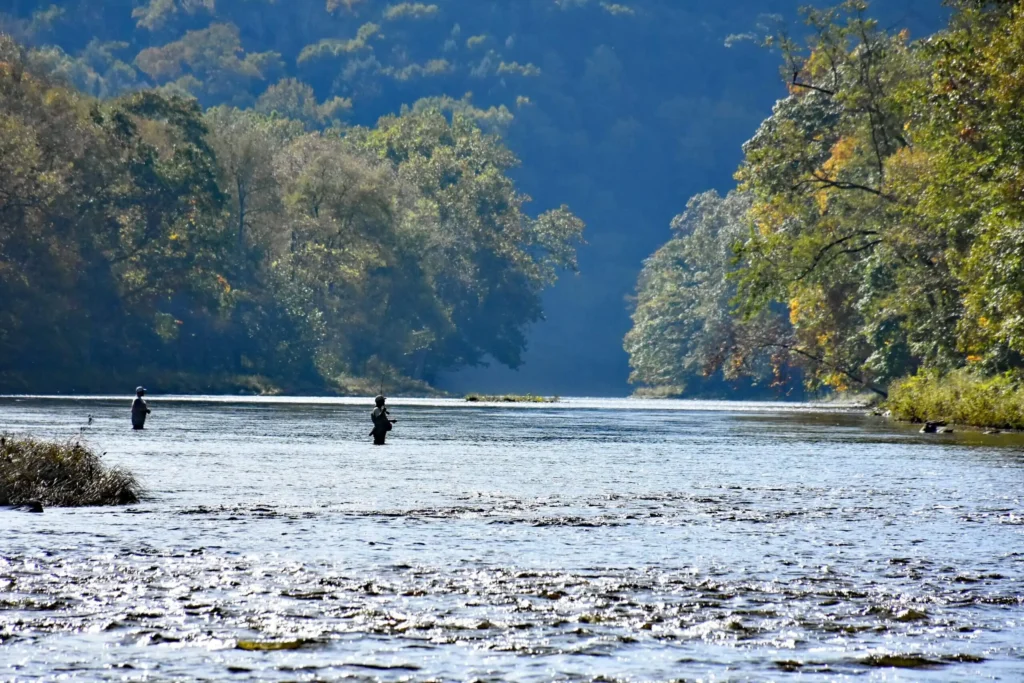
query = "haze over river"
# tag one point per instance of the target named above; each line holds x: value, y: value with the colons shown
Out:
x: 619, y: 539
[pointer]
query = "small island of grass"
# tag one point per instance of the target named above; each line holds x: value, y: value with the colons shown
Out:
x: 511, y: 398
x: 61, y: 474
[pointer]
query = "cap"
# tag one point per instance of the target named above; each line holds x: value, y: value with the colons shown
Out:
x: 379, y: 400
x: 139, y: 390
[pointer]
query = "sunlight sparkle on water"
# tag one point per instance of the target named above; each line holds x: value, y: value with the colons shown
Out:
x: 625, y: 539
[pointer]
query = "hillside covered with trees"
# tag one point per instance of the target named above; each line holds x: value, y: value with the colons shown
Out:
x: 143, y: 237
x: 618, y: 109
x: 875, y: 232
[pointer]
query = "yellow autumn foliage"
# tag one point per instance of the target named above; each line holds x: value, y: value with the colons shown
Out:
x: 843, y: 152
x: 794, y: 311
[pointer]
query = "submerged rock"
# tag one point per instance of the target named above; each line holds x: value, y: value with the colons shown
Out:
x: 902, y: 661
x: 272, y: 645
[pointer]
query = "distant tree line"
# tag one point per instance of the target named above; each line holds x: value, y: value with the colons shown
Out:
x: 143, y: 236
x: 877, y: 228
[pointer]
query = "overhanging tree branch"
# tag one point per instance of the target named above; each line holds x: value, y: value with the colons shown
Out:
x: 794, y: 348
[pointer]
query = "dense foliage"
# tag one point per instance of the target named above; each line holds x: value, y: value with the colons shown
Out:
x: 142, y: 236
x: 884, y: 230
x: 684, y: 335
x: 616, y: 108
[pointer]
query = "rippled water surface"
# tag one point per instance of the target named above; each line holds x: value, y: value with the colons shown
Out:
x: 590, y: 540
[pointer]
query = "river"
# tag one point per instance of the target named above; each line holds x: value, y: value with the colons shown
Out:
x: 586, y: 540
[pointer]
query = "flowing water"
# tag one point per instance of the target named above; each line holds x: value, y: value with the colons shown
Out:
x: 587, y: 540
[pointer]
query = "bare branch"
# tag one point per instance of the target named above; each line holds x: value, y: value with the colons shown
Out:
x: 797, y: 84
x: 846, y: 185
x: 828, y: 247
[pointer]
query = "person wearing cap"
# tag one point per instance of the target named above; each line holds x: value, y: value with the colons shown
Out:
x: 381, y: 422
x: 139, y: 409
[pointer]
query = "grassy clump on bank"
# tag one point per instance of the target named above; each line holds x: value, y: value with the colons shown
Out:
x: 960, y: 397
x: 511, y: 398
x: 61, y: 474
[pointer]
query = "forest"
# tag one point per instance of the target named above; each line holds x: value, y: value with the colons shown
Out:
x: 315, y: 196
x: 619, y: 110
x: 234, y: 249
x: 875, y: 229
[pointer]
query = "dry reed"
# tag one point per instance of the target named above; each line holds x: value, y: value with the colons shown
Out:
x: 61, y: 474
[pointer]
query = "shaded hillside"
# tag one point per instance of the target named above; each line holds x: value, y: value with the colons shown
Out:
x: 143, y: 239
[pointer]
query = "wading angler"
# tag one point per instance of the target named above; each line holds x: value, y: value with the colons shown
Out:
x: 382, y: 422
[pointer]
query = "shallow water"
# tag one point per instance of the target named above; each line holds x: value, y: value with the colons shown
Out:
x: 608, y: 540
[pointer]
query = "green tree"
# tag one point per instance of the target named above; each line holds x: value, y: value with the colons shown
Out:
x: 296, y: 100
x: 960, y: 180
x: 108, y: 219
x: 827, y: 241
x: 210, y: 64
x: 685, y: 336
x: 246, y: 145
x: 486, y: 260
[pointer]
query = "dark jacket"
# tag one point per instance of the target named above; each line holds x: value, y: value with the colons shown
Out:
x: 381, y: 420
x: 139, y: 412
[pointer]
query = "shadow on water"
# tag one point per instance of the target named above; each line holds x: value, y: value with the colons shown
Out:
x: 859, y: 428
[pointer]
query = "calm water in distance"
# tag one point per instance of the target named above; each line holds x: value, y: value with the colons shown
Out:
x: 586, y: 540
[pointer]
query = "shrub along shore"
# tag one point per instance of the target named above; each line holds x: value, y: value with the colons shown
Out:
x: 61, y: 474
x: 961, y: 397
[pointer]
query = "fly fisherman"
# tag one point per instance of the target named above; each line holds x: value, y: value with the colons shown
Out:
x: 382, y: 422
x: 139, y: 409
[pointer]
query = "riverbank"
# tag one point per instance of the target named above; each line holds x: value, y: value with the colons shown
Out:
x: 61, y: 474
x: 960, y: 397
x: 182, y: 383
